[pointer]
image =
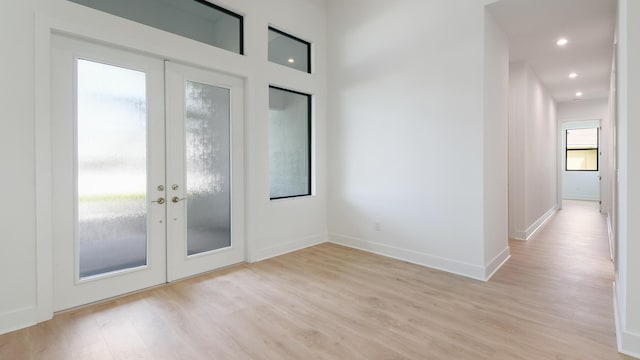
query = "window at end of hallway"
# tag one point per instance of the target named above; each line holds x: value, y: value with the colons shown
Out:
x: 582, y: 149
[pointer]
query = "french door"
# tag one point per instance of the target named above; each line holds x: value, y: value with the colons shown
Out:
x: 147, y: 171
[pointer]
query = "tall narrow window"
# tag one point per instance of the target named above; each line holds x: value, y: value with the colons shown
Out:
x: 199, y: 20
x: 582, y: 149
x: 289, y: 143
x: 288, y: 50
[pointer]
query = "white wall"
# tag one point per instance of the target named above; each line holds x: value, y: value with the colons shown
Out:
x: 408, y: 133
x: 585, y: 185
x: 578, y: 185
x: 628, y: 226
x: 532, y: 152
x: 17, y: 221
x: 596, y: 109
x: 496, y: 161
x: 271, y: 227
x: 610, y: 190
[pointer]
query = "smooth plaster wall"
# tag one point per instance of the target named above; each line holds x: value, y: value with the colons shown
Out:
x: 17, y: 154
x: 407, y: 131
x: 271, y: 227
x: 597, y: 109
x: 532, y: 152
x: 628, y: 129
x: 496, y: 118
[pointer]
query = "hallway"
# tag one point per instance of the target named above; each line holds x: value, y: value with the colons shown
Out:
x: 552, y: 300
x: 565, y: 277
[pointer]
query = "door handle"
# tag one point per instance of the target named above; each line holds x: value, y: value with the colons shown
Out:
x: 176, y: 199
x: 159, y: 201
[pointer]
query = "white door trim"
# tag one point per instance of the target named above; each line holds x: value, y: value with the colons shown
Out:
x: 576, y: 124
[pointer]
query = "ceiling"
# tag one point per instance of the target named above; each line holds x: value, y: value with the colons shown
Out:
x: 534, y: 26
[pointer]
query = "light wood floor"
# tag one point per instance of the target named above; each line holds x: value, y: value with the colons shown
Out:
x: 552, y: 300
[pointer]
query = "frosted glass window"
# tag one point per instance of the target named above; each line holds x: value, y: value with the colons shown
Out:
x: 199, y: 20
x: 208, y: 154
x: 288, y: 50
x: 582, y: 149
x: 112, y: 168
x: 289, y: 143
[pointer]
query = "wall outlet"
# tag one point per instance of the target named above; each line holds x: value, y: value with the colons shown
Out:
x: 376, y: 226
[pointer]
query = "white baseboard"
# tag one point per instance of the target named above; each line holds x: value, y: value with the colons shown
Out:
x: 537, y: 225
x: 17, y: 319
x: 580, y: 197
x: 497, y: 262
x: 628, y: 342
x: 431, y: 261
x: 273, y: 251
x: 610, y: 233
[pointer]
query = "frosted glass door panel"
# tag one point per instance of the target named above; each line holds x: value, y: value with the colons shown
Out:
x: 111, y: 168
x: 208, y: 172
x: 204, y: 118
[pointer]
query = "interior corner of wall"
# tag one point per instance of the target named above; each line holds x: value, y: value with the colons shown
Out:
x: 518, y: 235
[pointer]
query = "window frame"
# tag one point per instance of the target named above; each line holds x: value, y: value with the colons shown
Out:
x: 566, y: 150
x: 230, y: 13
x: 292, y: 37
x: 309, y: 144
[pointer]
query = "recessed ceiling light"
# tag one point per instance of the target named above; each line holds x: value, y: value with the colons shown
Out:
x: 573, y: 75
x: 579, y: 94
x: 291, y: 61
x: 562, y: 42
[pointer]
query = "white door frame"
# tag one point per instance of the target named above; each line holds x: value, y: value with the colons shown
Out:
x: 117, y: 32
x: 561, y: 153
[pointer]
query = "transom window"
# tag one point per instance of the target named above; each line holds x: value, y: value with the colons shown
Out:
x: 198, y: 20
x: 288, y: 50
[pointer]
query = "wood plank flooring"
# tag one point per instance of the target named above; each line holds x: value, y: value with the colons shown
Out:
x: 552, y: 300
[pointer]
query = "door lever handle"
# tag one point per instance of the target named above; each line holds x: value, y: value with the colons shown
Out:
x: 159, y: 201
x: 176, y: 199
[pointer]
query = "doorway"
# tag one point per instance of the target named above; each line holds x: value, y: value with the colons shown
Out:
x: 147, y: 170
x: 580, y: 160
